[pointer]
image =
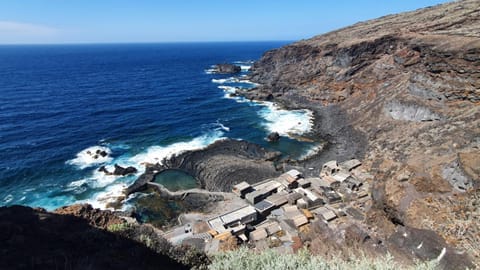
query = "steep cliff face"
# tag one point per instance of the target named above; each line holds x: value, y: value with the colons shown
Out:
x: 410, y: 83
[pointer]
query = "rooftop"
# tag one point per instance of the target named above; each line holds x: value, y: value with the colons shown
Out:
x: 238, y: 214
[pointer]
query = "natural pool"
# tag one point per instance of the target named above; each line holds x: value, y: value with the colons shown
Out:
x: 175, y: 180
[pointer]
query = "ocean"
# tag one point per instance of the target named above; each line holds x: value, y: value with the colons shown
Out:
x: 137, y: 102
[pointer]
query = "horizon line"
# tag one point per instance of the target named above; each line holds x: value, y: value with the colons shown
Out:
x: 145, y: 42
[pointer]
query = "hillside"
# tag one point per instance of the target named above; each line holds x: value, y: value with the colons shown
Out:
x: 403, y: 91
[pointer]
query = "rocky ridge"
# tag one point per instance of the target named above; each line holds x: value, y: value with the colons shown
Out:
x: 80, y: 237
x: 407, y: 87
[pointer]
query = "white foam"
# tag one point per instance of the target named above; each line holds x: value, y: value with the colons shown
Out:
x: 155, y: 154
x: 222, y: 126
x: 89, y: 157
x: 111, y: 194
x: 312, y: 151
x: 8, y: 198
x: 211, y: 70
x: 286, y: 123
x: 227, y: 80
x: 245, y: 67
x: 228, y: 89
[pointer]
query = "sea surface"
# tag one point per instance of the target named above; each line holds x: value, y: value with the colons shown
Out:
x: 139, y: 103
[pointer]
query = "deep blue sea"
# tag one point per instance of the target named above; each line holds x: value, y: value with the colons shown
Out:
x: 138, y: 102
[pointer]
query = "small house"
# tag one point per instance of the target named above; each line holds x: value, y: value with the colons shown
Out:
x: 293, y: 197
x: 304, y: 183
x: 341, y: 176
x: 258, y: 234
x: 302, y: 203
x: 325, y: 213
x: 330, y: 168
x: 264, y: 207
x: 350, y: 164
x: 278, y: 199
x: 242, y: 189
x: 242, y: 215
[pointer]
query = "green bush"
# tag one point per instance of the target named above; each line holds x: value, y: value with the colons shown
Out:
x: 118, y: 227
x: 245, y: 259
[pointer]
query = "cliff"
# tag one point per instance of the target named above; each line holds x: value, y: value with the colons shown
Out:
x: 408, y: 87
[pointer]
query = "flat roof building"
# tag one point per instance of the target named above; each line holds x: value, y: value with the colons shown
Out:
x: 330, y: 168
x: 294, y: 197
x: 264, y: 206
x: 242, y: 215
x: 278, y: 199
x: 325, y: 214
x: 258, y: 234
x: 350, y: 164
x: 242, y: 189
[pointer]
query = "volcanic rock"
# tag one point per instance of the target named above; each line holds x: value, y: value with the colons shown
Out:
x: 273, y: 137
x: 226, y: 68
x: 219, y: 166
x: 119, y: 170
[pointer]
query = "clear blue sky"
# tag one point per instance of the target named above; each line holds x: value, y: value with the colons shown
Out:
x: 99, y: 21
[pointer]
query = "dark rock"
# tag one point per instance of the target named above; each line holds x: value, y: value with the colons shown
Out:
x: 37, y: 239
x: 273, y: 137
x: 119, y: 170
x: 227, y: 68
x: 426, y: 245
x: 219, y: 166
x: 104, y: 170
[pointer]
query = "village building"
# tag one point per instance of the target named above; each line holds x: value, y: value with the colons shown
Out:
x: 312, y: 198
x: 290, y: 178
x: 330, y: 168
x: 242, y: 215
x: 278, y: 199
x: 293, y: 197
x: 295, y: 215
x: 350, y: 164
x: 302, y: 203
x: 262, y: 191
x: 340, y: 176
x: 329, y: 195
x: 352, y: 183
x: 264, y: 207
x: 325, y: 213
x: 258, y: 234
x: 304, y: 183
x: 242, y: 189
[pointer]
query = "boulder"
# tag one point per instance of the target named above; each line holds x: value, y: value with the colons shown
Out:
x: 273, y: 137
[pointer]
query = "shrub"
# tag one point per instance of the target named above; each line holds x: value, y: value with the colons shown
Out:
x: 243, y: 258
x: 118, y: 227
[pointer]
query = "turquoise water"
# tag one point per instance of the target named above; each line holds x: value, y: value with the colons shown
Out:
x: 176, y: 180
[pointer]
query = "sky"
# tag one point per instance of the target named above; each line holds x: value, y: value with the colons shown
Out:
x: 122, y: 21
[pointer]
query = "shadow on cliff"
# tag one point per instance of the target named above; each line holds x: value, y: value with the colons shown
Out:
x: 36, y: 239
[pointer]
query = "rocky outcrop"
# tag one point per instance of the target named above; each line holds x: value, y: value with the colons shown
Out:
x: 226, y: 68
x: 426, y: 245
x: 119, y: 170
x: 219, y: 166
x: 273, y: 137
x: 37, y: 239
x: 406, y: 93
